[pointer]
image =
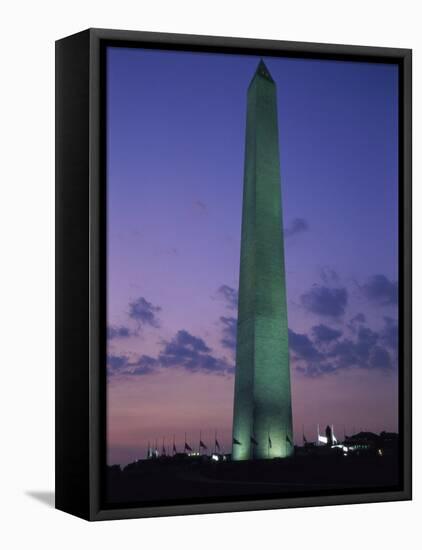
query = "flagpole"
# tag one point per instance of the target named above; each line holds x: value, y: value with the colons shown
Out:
x: 199, y: 449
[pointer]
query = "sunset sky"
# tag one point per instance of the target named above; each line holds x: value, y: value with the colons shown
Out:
x: 175, y: 148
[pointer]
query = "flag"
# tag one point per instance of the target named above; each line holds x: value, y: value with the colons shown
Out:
x: 187, y: 447
x: 174, y: 448
x: 253, y: 440
x: 217, y: 445
x: 288, y: 440
x: 270, y: 444
x: 236, y: 442
x: 202, y: 444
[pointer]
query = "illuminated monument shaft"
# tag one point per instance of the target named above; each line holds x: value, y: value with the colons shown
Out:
x: 262, y: 421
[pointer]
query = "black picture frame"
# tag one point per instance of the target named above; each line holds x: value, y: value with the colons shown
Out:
x: 80, y: 265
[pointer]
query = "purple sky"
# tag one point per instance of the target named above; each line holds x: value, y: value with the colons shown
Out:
x: 176, y: 124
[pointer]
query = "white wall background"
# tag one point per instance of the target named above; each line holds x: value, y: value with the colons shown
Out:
x: 27, y: 36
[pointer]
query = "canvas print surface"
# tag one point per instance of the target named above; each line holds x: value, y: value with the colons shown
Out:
x: 252, y: 277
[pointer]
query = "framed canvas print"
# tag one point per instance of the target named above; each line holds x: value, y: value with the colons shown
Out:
x: 233, y: 274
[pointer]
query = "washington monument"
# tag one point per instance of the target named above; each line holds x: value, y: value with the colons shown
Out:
x: 262, y: 419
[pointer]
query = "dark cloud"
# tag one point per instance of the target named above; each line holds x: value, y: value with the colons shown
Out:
x: 122, y: 365
x: 191, y: 353
x: 355, y: 353
x: 302, y: 346
x: 319, y: 356
x: 296, y: 226
x: 380, y: 359
x: 325, y: 301
x: 144, y: 312
x: 115, y: 332
x: 359, y: 318
x: 144, y: 365
x: 323, y: 334
x: 344, y: 353
x: 117, y: 362
x: 229, y: 295
x: 355, y: 321
x: 366, y: 341
x: 329, y: 276
x: 229, y: 332
x: 309, y: 360
x: 365, y: 352
x: 390, y: 333
x: 184, y: 351
x: 380, y: 290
